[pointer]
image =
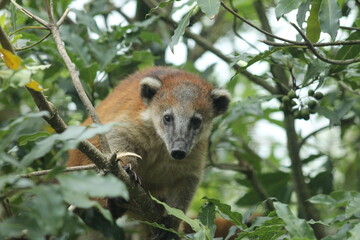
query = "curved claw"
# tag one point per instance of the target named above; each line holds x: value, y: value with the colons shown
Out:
x: 132, y: 174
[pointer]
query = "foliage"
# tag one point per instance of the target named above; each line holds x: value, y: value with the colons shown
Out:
x: 255, y: 156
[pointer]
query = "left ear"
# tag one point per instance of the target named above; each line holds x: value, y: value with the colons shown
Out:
x: 148, y: 88
x: 220, y: 99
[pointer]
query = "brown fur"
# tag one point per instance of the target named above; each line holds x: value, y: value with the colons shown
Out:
x: 173, y: 181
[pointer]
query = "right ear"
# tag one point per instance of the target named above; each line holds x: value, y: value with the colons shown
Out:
x: 148, y: 88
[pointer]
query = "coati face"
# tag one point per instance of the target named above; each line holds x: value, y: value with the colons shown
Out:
x: 182, y: 110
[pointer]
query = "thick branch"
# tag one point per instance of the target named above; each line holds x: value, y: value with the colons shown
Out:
x: 302, y: 191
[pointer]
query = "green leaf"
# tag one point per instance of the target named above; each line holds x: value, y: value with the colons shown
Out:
x: 355, y: 232
x: 225, y: 209
x: 180, y: 30
x: 286, y: 6
x: 314, y: 69
x: 207, y: 216
x: 329, y: 114
x: 161, y: 226
x: 330, y: 14
x: 349, y: 51
x: 323, y: 199
x: 313, y: 24
x: 353, y: 206
x: 195, y: 224
x: 297, y: 228
x: 88, y: 73
x: 78, y: 187
x: 256, y: 58
x: 23, y: 140
x: 160, y: 5
x: 91, y: 184
x: 48, y: 200
x: 209, y: 7
x: 71, y: 137
x: 301, y: 14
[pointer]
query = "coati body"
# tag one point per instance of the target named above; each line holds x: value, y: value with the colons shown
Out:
x: 165, y: 117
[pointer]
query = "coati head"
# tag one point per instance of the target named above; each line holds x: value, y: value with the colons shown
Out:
x: 181, y: 106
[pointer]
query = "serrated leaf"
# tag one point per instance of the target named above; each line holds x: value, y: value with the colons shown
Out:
x: 180, y: 30
x: 286, y: 6
x: 329, y: 16
x: 209, y: 7
x: 313, y: 24
x: 195, y: 224
x: 297, y: 228
x: 11, y: 60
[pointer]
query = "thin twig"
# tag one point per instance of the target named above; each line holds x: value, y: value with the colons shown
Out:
x: 34, y: 44
x: 350, y: 28
x: 206, y: 45
x: 68, y: 169
x: 303, y: 141
x: 304, y: 44
x: 344, y: 85
x: 319, y: 55
x: 254, y: 26
x: 29, y: 14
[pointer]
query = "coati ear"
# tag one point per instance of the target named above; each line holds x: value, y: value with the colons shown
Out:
x: 148, y: 88
x: 221, y: 100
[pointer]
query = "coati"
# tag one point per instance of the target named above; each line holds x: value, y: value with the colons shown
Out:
x: 166, y: 118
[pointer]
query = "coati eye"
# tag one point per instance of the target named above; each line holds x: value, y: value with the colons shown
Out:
x: 195, y: 122
x: 167, y: 118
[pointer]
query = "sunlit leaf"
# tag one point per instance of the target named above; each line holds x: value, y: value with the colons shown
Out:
x: 11, y: 60
x: 313, y: 24
x: 301, y: 14
x: 34, y: 85
x: 209, y: 7
x: 286, y: 6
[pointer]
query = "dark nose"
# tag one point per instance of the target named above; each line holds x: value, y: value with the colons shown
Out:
x: 178, y: 154
x: 178, y: 150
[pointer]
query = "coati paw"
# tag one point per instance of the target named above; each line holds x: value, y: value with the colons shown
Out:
x: 132, y: 174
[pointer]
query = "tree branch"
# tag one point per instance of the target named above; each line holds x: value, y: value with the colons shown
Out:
x: 304, y: 44
x: 68, y: 169
x: 54, y: 29
x: 209, y: 47
x: 140, y: 201
x: 320, y: 56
